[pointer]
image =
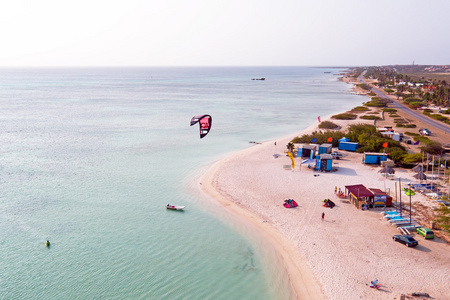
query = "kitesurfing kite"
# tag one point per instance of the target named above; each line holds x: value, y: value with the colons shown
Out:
x: 205, y: 122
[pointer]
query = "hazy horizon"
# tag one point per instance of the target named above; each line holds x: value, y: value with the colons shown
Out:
x: 200, y: 33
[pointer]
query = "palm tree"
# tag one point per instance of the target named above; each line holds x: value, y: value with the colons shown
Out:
x: 290, y: 146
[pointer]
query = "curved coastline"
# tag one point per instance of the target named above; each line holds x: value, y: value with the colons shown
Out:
x: 331, y: 258
x: 302, y: 279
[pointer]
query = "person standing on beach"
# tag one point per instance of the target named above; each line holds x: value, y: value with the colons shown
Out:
x: 335, y: 189
x: 323, y: 216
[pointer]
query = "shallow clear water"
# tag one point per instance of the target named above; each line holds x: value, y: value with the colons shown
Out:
x: 90, y: 157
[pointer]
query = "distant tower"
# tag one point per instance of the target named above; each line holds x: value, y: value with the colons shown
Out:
x: 413, y: 63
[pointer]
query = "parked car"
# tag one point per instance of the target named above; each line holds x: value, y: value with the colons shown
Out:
x: 408, y: 240
x: 426, y: 232
x: 337, y: 155
x: 424, y: 131
x: 446, y: 203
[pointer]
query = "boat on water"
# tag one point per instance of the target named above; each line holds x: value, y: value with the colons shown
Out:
x: 175, y: 207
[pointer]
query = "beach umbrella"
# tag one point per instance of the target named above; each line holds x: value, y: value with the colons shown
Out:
x: 418, y: 168
x: 387, y: 170
x: 420, y: 176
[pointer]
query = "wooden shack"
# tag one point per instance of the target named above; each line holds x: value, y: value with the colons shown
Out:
x: 380, y: 198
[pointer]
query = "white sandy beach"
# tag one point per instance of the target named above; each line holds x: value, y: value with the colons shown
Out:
x: 338, y: 257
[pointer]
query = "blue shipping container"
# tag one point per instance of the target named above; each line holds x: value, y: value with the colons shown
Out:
x: 349, y: 146
x: 374, y: 158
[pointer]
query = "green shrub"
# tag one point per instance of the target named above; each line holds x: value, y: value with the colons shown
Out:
x: 321, y: 137
x: 389, y: 110
x: 406, y: 125
x: 360, y: 108
x: 344, y: 116
x: 370, y: 117
x: 411, y: 158
x: 412, y: 133
x: 364, y: 86
x: 433, y: 148
x: 328, y: 125
x: 438, y: 117
x: 377, y: 102
x: 442, y: 218
x: 400, y: 121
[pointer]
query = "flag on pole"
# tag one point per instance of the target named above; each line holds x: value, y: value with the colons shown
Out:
x: 318, y: 118
x: 385, y: 145
x: 330, y: 139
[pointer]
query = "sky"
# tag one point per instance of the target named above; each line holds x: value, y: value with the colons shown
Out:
x: 223, y: 32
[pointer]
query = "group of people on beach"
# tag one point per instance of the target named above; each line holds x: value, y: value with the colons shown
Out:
x: 338, y: 192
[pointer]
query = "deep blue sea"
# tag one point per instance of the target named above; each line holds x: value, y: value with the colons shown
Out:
x: 89, y: 157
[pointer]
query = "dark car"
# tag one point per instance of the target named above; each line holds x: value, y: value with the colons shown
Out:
x: 405, y: 239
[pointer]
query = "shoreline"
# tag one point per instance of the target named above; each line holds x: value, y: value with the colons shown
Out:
x: 252, y: 185
x: 302, y: 279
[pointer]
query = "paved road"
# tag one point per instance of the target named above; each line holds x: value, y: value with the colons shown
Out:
x: 436, y: 124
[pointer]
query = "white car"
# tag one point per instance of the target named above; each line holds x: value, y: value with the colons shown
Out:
x: 337, y: 155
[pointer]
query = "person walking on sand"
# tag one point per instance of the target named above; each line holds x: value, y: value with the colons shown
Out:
x: 323, y: 216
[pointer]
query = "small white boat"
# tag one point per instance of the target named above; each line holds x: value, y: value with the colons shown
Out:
x: 175, y: 207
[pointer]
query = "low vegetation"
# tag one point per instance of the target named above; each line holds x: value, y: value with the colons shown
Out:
x: 321, y: 138
x: 442, y: 219
x: 328, y: 125
x: 377, y: 102
x: 344, y: 116
x: 364, y: 86
x: 370, y: 140
x: 399, y: 122
x: 438, y: 117
x: 370, y: 117
x: 360, y: 108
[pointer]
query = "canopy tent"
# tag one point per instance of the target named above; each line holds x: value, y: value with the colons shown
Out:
x: 387, y: 169
x: 290, y: 203
x: 420, y: 175
x: 328, y: 203
x: 418, y: 168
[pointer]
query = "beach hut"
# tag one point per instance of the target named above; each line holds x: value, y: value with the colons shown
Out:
x: 308, y: 151
x: 345, y: 144
x: 359, y: 195
x: 324, y: 162
x: 380, y: 198
x: 374, y: 158
x: 325, y: 148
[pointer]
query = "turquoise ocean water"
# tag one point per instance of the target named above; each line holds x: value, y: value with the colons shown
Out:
x: 90, y: 157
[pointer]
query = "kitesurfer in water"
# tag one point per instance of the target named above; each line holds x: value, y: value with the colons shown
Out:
x: 47, y: 244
